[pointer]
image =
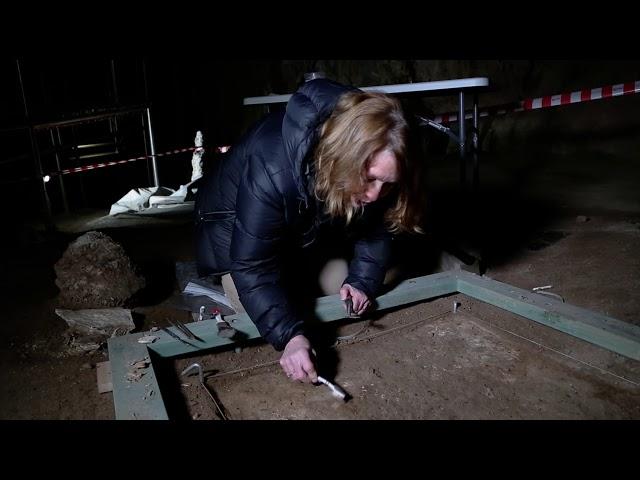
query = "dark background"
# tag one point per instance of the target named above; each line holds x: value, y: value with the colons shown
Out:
x: 187, y: 93
x: 536, y: 166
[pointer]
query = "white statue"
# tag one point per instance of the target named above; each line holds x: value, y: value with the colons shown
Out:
x: 196, y: 160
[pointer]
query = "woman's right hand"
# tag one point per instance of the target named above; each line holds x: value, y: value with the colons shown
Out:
x: 297, y: 361
x: 359, y: 299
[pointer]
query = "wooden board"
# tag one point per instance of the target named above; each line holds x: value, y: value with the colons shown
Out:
x: 607, y: 332
x: 132, y: 401
x: 103, y: 373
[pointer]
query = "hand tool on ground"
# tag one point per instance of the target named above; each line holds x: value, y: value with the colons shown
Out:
x: 183, y: 328
x: 165, y: 329
x: 219, y: 409
x: 336, y: 391
x: 224, y: 329
x: 551, y: 294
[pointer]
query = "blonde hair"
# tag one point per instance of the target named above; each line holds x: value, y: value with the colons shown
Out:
x: 361, y: 125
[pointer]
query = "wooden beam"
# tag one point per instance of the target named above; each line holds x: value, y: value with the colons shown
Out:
x: 606, y: 332
x: 419, y: 289
x: 131, y: 399
x: 134, y: 400
x: 328, y: 309
x: 103, y: 376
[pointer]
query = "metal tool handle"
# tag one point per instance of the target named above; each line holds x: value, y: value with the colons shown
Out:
x: 349, y: 304
x: 335, y: 389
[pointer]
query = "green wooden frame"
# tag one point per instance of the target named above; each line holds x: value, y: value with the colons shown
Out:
x: 142, y: 399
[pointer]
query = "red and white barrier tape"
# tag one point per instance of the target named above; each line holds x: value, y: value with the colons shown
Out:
x: 579, y: 96
x: 84, y: 168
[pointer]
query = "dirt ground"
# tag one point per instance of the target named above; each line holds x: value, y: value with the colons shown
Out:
x: 450, y: 366
x: 573, y: 222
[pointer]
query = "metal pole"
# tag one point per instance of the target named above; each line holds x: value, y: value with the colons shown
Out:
x: 462, y: 134
x: 476, y: 146
x: 114, y: 83
x: 76, y: 155
x: 114, y: 130
x: 154, y: 165
x: 47, y: 201
x: 24, y: 96
x: 34, y: 150
x: 62, y: 190
x: 146, y: 152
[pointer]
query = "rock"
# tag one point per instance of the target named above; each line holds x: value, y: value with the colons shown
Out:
x: 98, y: 322
x: 582, y: 219
x: 77, y: 348
x: 148, y: 339
x: 448, y: 262
x: 95, y: 272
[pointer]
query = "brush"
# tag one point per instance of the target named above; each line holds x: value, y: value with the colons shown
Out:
x: 336, y: 391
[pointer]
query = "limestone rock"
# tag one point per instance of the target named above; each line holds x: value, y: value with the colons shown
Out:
x: 95, y: 272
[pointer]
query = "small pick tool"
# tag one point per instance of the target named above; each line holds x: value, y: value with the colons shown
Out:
x: 224, y: 329
x: 336, y: 391
x: 349, y: 304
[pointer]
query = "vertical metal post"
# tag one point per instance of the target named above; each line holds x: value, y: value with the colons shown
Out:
x: 154, y: 165
x: 55, y: 151
x: 116, y: 99
x: 47, y: 201
x: 114, y: 82
x: 146, y: 151
x: 462, y: 140
x: 76, y: 154
x: 35, y: 152
x: 476, y: 146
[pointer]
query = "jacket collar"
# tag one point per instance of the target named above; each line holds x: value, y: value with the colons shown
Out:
x: 306, y: 111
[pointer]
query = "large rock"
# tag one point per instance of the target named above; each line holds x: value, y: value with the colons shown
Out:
x: 89, y: 329
x: 95, y: 272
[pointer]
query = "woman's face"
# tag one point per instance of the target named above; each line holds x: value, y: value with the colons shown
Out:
x: 381, y: 173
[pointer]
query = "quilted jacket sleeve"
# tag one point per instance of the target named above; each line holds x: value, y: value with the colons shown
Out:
x: 256, y: 245
x: 369, y: 265
x: 371, y: 253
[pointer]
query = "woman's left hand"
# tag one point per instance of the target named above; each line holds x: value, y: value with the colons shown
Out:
x: 359, y: 299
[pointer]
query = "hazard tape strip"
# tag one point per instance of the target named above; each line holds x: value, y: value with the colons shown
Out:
x: 85, y: 168
x: 548, y: 101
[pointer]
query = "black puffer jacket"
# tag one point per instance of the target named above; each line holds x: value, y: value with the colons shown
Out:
x: 260, y: 199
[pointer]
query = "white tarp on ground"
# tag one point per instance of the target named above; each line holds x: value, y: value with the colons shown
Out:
x: 138, y: 199
x: 148, y: 200
x: 196, y: 289
x: 141, y: 200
